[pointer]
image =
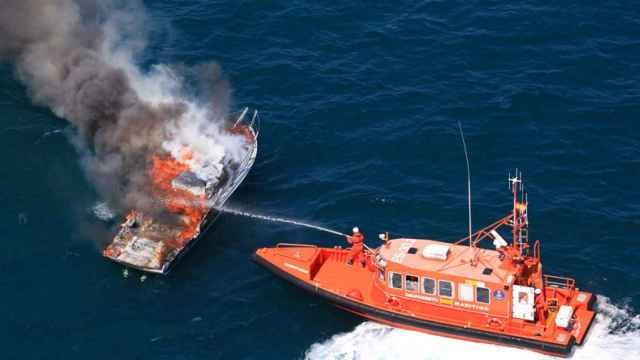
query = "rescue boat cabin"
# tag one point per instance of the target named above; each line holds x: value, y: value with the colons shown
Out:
x: 499, y: 288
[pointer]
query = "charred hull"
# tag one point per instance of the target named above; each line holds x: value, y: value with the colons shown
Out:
x: 154, y: 246
x: 395, y: 319
x: 209, y: 220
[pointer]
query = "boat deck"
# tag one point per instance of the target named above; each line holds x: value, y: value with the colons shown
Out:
x: 331, y: 275
x: 145, y: 244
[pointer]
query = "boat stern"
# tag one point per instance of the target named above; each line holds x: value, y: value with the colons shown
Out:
x: 584, y: 315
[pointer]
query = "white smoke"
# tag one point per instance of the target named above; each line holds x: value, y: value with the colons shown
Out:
x: 102, y: 211
x: 615, y: 335
x: 210, y: 148
x: 199, y: 128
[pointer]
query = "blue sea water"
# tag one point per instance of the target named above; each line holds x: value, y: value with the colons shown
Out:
x: 359, y: 103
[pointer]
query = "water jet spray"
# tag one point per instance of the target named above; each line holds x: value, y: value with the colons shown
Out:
x: 279, y: 219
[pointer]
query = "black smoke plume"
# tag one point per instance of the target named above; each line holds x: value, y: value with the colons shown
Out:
x: 75, y: 57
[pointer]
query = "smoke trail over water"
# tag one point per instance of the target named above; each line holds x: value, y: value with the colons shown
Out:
x: 78, y: 58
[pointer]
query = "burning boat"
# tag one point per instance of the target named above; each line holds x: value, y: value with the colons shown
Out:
x: 154, y: 243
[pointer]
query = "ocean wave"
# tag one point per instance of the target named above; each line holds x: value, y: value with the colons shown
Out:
x: 614, y: 335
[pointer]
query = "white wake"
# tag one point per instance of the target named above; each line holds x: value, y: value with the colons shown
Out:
x: 615, y: 335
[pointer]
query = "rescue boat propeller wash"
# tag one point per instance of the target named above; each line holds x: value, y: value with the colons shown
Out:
x: 498, y: 295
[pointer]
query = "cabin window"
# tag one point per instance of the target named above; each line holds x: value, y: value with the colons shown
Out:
x: 429, y: 286
x: 465, y: 292
x: 395, y: 280
x: 446, y: 288
x: 482, y: 295
x: 411, y: 283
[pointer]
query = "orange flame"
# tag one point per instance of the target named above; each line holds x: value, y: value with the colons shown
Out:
x: 191, y: 207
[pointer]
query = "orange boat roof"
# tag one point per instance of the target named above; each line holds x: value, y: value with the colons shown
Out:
x: 457, y: 263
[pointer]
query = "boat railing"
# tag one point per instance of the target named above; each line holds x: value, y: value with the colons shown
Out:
x: 559, y: 282
x: 286, y: 245
x: 253, y: 124
x: 536, y: 249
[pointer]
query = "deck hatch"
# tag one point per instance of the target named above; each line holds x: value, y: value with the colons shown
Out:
x: 436, y: 251
x: 487, y: 271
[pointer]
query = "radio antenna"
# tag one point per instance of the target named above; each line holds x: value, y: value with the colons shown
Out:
x: 466, y: 156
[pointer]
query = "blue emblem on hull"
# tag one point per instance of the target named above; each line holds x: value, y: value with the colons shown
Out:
x: 498, y: 295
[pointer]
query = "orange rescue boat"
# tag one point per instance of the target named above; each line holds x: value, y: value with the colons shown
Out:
x: 498, y: 295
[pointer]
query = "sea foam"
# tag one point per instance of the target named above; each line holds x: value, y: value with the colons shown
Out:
x: 614, y: 335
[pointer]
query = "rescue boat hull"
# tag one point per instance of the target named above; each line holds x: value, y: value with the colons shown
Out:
x: 497, y: 295
x: 395, y: 319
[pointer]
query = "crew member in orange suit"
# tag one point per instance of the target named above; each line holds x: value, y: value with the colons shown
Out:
x: 357, y: 248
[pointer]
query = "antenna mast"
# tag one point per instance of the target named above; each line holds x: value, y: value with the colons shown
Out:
x: 466, y: 156
x: 515, y: 183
